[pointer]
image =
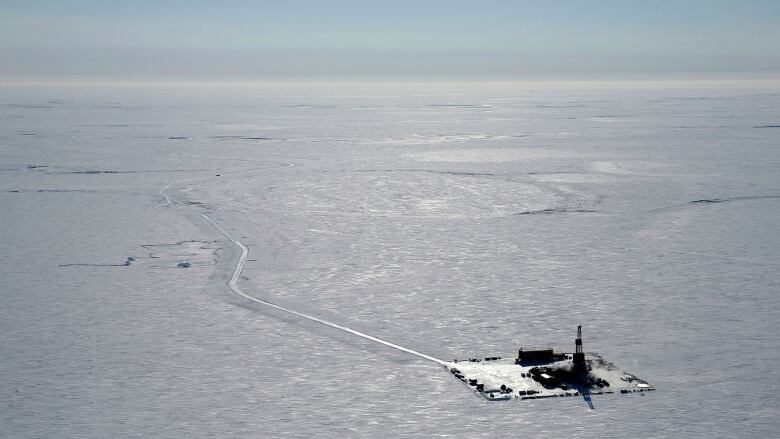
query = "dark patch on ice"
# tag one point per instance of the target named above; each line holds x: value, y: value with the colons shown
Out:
x: 432, y: 171
x: 459, y: 105
x: 45, y: 168
x: 94, y: 265
x: 30, y: 106
x: 113, y: 171
x: 127, y: 263
x: 89, y: 191
x: 247, y: 138
x: 125, y: 107
x: 692, y: 98
x: 767, y: 126
x: 108, y: 125
x: 700, y: 126
x: 706, y: 201
x: 28, y: 134
x: 93, y: 171
x: 177, y: 243
x: 158, y: 254
x: 65, y: 191
x: 463, y: 173
x: 178, y: 138
x: 372, y: 107
x: 554, y: 210
x: 727, y: 200
x: 310, y: 106
x: 324, y: 140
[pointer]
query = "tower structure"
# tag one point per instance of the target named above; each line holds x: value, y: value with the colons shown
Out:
x: 579, y: 356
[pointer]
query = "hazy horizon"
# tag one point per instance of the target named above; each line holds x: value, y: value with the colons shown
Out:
x: 348, y: 39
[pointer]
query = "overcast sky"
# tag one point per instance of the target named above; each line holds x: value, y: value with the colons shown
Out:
x: 398, y: 38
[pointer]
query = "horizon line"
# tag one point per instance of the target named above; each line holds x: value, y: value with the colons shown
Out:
x: 107, y: 80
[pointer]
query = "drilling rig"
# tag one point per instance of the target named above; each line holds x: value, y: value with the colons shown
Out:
x: 578, y: 361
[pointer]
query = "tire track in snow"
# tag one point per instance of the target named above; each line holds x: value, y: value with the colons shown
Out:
x: 233, y: 284
x: 166, y: 199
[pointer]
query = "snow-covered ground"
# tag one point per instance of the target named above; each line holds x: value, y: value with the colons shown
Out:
x: 454, y: 220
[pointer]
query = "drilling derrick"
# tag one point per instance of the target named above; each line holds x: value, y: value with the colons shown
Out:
x: 579, y: 356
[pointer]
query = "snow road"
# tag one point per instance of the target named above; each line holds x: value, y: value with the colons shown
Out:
x: 233, y: 284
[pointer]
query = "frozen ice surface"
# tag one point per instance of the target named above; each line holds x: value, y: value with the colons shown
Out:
x: 457, y: 220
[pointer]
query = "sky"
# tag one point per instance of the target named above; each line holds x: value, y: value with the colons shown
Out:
x: 349, y: 38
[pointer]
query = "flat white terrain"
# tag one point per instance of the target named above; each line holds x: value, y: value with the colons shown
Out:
x: 294, y: 259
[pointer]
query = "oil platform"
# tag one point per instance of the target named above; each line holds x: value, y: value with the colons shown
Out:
x: 544, y: 373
